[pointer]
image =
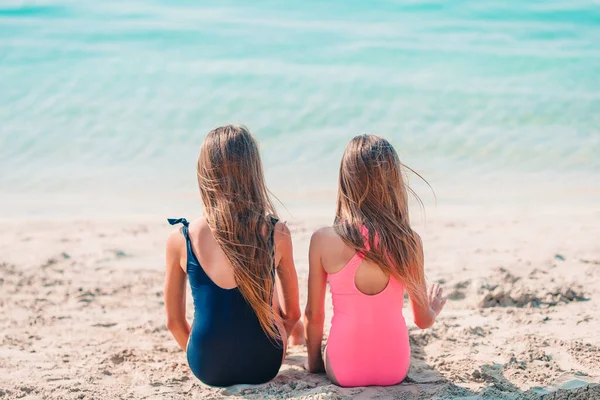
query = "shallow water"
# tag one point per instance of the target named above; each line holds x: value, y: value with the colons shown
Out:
x: 112, y: 99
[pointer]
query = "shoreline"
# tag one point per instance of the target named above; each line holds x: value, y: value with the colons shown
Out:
x: 313, y: 198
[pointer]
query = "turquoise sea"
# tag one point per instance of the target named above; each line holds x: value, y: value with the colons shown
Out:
x: 111, y: 99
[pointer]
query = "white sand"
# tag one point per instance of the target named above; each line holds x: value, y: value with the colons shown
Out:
x: 81, y: 312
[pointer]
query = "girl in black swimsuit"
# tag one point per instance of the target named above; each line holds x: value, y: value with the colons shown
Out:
x: 235, y: 258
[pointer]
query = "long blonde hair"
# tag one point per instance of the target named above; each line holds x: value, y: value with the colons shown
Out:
x: 238, y: 209
x: 373, y: 193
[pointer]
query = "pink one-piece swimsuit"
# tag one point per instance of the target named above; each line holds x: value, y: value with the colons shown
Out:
x: 368, y: 342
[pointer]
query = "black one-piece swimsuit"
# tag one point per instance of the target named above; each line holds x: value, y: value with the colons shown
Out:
x: 227, y: 345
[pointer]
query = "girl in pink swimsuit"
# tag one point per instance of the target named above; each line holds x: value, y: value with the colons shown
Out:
x: 370, y: 257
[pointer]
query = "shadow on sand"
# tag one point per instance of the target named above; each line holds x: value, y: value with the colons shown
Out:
x: 423, y: 382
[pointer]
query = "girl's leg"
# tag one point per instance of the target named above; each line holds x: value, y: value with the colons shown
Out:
x: 297, y: 336
x: 328, y: 369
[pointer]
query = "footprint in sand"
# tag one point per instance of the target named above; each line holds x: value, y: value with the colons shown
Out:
x: 512, y: 295
x: 121, y: 357
x: 508, y: 290
x: 458, y: 292
x: 26, y: 389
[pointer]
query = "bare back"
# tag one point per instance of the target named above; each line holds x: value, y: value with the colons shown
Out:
x: 212, y: 258
x: 370, y: 279
x: 218, y: 269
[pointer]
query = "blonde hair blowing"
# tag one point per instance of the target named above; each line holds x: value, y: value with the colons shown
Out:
x: 238, y: 209
x: 373, y: 193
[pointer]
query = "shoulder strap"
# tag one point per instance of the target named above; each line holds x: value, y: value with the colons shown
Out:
x: 365, y: 232
x: 272, y: 237
x: 191, y: 257
x: 272, y: 242
x: 184, y: 222
x: 360, y: 255
x: 184, y: 229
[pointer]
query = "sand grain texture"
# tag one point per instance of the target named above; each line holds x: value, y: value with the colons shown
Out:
x: 81, y: 312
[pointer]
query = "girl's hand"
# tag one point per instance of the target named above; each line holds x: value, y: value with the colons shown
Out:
x: 319, y: 367
x: 436, y: 299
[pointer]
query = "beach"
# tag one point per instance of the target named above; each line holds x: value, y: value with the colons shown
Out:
x: 104, y: 106
x: 82, y: 310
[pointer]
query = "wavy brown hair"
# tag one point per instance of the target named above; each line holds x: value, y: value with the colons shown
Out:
x: 373, y: 193
x: 238, y: 209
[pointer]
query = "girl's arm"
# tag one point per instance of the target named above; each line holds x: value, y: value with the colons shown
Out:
x: 286, y: 271
x: 425, y: 314
x: 315, y: 307
x: 431, y: 302
x: 175, y: 279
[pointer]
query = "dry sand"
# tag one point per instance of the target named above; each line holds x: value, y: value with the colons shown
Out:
x: 81, y: 311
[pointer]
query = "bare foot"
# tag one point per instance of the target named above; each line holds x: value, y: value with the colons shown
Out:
x: 297, y: 336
